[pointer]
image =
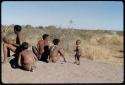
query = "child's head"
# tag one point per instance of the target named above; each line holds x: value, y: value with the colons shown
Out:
x: 45, y: 36
x: 78, y: 42
x: 56, y: 41
x: 24, y: 45
x: 17, y: 28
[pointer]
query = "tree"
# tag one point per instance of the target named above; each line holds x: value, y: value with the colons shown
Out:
x: 28, y: 26
x: 40, y: 27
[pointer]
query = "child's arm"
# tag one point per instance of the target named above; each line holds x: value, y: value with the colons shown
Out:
x: 14, y: 44
x: 38, y: 48
x: 36, y: 59
x: 60, y: 51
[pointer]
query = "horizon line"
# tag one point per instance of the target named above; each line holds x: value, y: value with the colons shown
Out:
x: 63, y: 27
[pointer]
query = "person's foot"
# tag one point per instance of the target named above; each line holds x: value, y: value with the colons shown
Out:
x: 74, y: 62
x: 31, y: 70
x: 78, y: 63
x: 4, y: 62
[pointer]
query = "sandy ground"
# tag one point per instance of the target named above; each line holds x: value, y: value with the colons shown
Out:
x: 88, y: 72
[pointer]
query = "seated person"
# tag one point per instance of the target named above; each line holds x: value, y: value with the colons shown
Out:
x: 45, y: 54
x: 54, y: 51
x: 11, y: 45
x: 41, y: 45
x: 27, y: 58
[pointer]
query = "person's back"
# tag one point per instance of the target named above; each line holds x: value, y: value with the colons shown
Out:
x: 27, y: 58
x: 39, y: 50
x: 55, y: 51
x: 42, y: 44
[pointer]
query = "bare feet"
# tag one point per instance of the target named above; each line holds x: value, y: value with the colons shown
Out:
x: 75, y: 62
x: 5, y: 61
x: 78, y: 63
x: 33, y: 68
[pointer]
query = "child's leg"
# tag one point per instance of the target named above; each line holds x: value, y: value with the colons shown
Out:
x: 78, y: 58
x: 5, y: 50
x: 75, y: 59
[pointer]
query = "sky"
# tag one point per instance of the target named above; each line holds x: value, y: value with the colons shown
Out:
x: 107, y: 15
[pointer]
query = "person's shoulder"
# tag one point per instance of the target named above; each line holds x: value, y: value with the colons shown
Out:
x: 40, y: 41
x: 59, y: 48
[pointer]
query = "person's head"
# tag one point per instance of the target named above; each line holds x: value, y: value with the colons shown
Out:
x: 78, y: 42
x: 24, y: 45
x: 56, y: 41
x: 17, y: 29
x: 45, y: 37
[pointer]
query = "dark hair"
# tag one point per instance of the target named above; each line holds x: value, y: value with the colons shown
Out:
x: 56, y: 41
x: 24, y: 45
x: 78, y: 40
x: 45, y: 36
x: 17, y: 28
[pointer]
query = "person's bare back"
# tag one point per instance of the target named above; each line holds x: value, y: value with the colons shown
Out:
x: 40, y: 46
x: 55, y: 51
x: 38, y: 51
x: 27, y: 58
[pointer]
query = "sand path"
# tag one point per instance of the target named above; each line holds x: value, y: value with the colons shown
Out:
x: 88, y: 72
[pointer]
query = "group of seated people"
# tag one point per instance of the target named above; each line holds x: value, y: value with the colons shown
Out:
x: 26, y: 59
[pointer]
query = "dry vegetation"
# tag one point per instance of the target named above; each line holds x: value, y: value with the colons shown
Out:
x: 99, y: 45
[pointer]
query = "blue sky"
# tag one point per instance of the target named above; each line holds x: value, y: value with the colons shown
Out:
x: 84, y: 14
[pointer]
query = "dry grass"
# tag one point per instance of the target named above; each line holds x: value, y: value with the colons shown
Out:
x: 96, y: 44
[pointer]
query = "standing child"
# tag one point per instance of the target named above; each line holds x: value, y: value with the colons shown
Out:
x: 78, y: 52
